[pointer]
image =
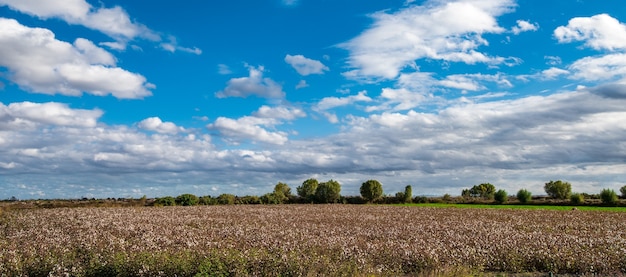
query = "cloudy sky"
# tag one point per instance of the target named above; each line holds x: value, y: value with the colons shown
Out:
x: 114, y: 98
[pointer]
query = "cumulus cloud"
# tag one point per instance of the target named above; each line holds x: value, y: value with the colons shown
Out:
x: 305, y: 66
x: 254, y: 84
x: 524, y: 26
x: 605, y: 67
x: 513, y: 143
x: 328, y: 103
x: 28, y: 114
x: 40, y: 63
x: 440, y: 30
x: 114, y: 22
x: 155, y: 124
x: 600, y: 32
x: 255, y: 127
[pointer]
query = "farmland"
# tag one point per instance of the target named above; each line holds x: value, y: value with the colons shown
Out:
x: 273, y: 240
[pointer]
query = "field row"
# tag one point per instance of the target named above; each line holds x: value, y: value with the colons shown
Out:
x: 308, y: 240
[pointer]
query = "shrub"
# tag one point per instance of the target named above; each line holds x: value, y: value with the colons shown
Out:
x: 608, y: 196
x: 187, y: 200
x: 165, y: 201
x: 226, y: 199
x: 371, y: 190
x: 501, y: 196
x: 558, y: 189
x: 577, y: 198
x: 524, y: 196
x: 484, y: 190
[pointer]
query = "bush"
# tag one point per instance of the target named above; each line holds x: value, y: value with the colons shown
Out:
x: 165, y: 201
x: 501, y: 196
x: 577, y: 198
x: 226, y: 199
x: 187, y: 200
x: 524, y: 196
x: 623, y: 191
x: 484, y: 190
x: 608, y: 196
x: 558, y: 189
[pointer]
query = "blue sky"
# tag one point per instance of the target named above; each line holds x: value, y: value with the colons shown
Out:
x: 124, y: 99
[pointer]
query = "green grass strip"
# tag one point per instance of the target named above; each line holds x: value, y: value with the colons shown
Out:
x: 518, y: 207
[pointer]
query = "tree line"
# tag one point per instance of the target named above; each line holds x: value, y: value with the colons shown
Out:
x: 559, y: 190
x: 371, y: 191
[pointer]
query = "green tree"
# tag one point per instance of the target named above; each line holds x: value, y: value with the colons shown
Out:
x: 187, y: 199
x: 270, y: 198
x: 608, y: 196
x: 282, y: 192
x: 484, y: 190
x: 226, y: 199
x: 623, y: 191
x: 501, y: 196
x: 371, y: 190
x: 328, y: 192
x: 558, y: 189
x: 524, y: 196
x: 307, y: 189
x: 408, y: 194
x: 165, y: 201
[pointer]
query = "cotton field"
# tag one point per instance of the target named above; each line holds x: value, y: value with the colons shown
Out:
x: 307, y: 240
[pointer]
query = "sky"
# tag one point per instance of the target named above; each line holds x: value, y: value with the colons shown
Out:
x: 128, y: 98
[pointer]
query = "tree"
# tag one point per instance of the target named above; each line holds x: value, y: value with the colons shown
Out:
x: 165, y: 201
x: 371, y: 190
x: 524, y: 196
x: 226, y: 199
x: 408, y: 194
x: 187, y: 199
x: 608, y: 196
x: 623, y: 191
x: 282, y: 192
x: 558, y: 189
x: 307, y: 189
x: 328, y: 192
x: 484, y: 190
x: 501, y: 196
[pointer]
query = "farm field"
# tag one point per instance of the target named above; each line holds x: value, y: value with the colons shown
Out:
x: 309, y: 240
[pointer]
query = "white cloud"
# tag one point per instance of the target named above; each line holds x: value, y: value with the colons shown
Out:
x: 114, y: 22
x: 248, y: 128
x: 302, y: 84
x: 448, y: 31
x: 172, y: 46
x: 305, y: 66
x: 254, y: 84
x: 522, y: 143
x: 29, y: 114
x: 280, y: 112
x: 223, y: 69
x: 40, y: 63
x: 155, y: 124
x: 598, y: 32
x: 553, y: 73
x: 524, y: 26
x: 255, y: 127
x: 605, y: 67
x: 333, y: 102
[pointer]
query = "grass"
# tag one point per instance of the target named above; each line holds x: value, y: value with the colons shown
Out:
x: 518, y: 207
